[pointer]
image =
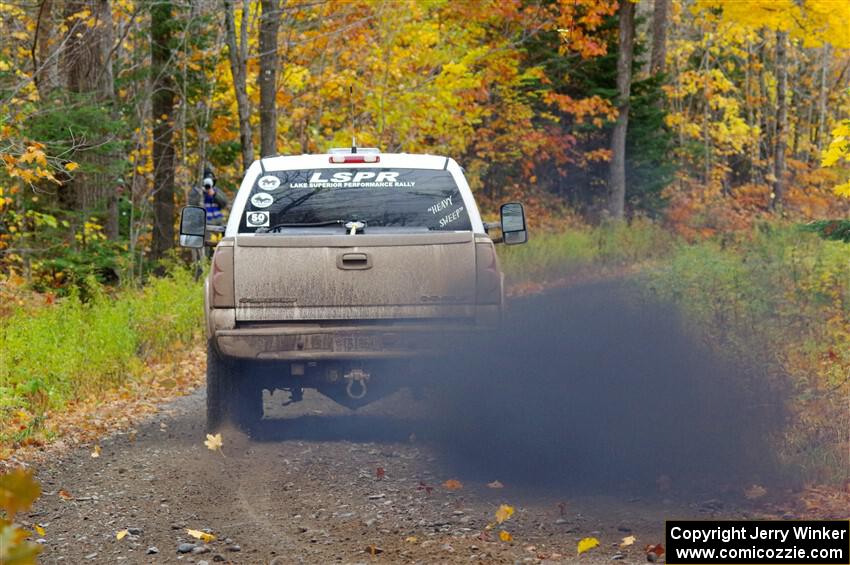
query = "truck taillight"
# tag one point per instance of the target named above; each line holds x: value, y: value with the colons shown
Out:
x: 488, y: 276
x: 221, y: 278
x: 366, y: 158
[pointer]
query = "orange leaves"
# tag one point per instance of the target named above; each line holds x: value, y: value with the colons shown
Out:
x: 653, y: 552
x: 577, y: 22
x: 453, y: 484
x: 30, y: 166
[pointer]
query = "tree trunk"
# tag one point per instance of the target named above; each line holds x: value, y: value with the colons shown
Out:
x: 659, y: 37
x: 45, y: 57
x: 824, y: 92
x: 617, y: 171
x: 106, y: 93
x: 781, y: 119
x: 269, y: 24
x: 238, y: 54
x: 162, y: 105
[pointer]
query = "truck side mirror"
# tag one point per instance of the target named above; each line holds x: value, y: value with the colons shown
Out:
x: 193, y: 227
x: 514, y: 230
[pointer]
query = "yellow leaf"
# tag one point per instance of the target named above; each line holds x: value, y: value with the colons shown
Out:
x: 755, y: 491
x: 18, y: 490
x: 453, y: 484
x: 203, y: 536
x: 411, y: 539
x: 627, y: 541
x: 587, y: 544
x: 71, y: 166
x: 505, y: 536
x: 39, y: 530
x: 213, y: 442
x: 121, y: 535
x: 96, y: 452
x: 503, y: 513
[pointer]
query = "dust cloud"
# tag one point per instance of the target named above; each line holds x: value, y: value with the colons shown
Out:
x: 600, y: 386
x: 596, y: 387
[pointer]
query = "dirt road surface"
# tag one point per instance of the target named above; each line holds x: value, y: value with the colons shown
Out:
x: 318, y: 483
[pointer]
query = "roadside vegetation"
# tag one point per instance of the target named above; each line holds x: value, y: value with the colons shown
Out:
x: 56, y: 354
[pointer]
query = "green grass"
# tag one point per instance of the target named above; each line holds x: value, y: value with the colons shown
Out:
x: 551, y: 255
x: 73, y: 349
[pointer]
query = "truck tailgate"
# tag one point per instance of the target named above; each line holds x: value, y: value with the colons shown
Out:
x: 354, y: 277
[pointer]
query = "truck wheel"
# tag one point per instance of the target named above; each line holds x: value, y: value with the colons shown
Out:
x: 247, y: 402
x: 219, y: 385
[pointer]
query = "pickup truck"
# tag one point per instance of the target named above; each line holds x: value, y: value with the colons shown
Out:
x: 338, y: 271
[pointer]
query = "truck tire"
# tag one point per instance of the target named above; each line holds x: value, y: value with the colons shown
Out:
x: 219, y: 387
x: 247, y: 400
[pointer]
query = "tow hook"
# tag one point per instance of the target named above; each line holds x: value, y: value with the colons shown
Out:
x: 360, y: 377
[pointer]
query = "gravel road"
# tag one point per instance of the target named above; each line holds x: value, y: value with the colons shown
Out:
x: 306, y: 488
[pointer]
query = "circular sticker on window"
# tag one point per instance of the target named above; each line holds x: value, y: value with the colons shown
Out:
x: 257, y: 219
x: 262, y: 200
x: 268, y: 182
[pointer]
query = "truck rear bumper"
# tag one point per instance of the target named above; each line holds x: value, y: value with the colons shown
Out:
x: 314, y: 342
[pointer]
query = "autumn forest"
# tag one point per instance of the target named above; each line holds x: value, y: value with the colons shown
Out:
x: 701, y: 114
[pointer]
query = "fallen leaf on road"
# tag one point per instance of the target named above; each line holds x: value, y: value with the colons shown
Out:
x: 587, y: 544
x: 39, y: 530
x: 495, y: 484
x: 203, y: 536
x: 505, y: 536
x: 96, y: 452
x: 755, y: 491
x: 627, y: 541
x: 503, y: 513
x: 121, y: 535
x: 411, y: 539
x: 214, y: 443
x: 380, y: 473
x: 373, y: 550
x: 656, y: 550
x: 65, y: 495
x: 453, y: 484
x: 18, y: 490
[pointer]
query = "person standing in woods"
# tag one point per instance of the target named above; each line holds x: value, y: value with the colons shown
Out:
x: 213, y: 201
x: 211, y: 198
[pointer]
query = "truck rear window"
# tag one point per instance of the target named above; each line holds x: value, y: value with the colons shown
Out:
x: 419, y: 198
